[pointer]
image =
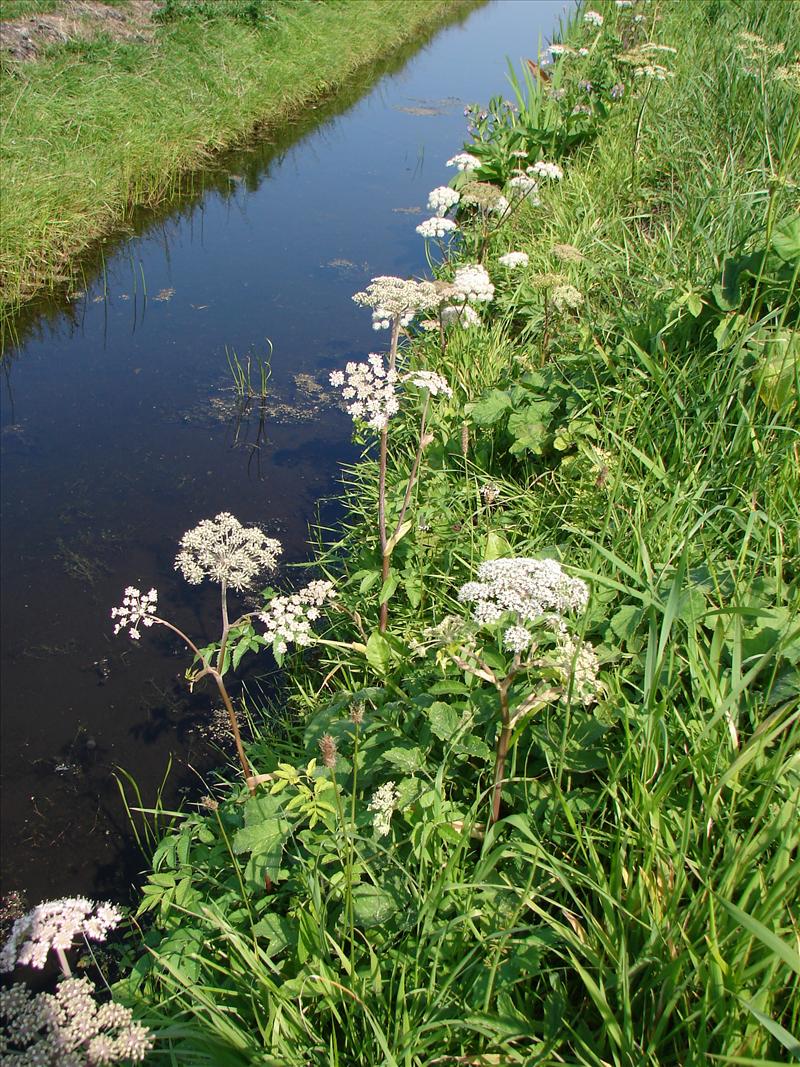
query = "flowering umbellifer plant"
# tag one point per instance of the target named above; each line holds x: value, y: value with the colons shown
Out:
x: 525, y: 603
x: 68, y: 1028
x: 370, y: 390
x: 224, y: 551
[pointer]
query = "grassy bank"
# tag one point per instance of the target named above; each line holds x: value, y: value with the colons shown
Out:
x: 532, y: 795
x: 96, y: 127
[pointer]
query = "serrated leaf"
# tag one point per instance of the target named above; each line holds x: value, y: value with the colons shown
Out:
x: 626, y: 621
x: 444, y: 720
x: 473, y: 746
x: 407, y: 760
x: 490, y: 408
x: 529, y: 434
x: 277, y: 931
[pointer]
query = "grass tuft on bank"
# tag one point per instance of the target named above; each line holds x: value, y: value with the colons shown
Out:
x: 98, y: 127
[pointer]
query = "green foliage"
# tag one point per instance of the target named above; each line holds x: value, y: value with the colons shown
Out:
x: 634, y: 903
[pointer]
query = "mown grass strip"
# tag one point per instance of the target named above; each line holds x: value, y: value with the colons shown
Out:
x: 98, y: 127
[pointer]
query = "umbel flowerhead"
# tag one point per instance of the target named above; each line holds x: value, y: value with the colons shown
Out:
x: 396, y: 298
x: 54, y: 925
x: 223, y: 550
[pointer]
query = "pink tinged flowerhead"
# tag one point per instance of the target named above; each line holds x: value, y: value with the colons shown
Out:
x: 593, y: 18
x: 55, y: 924
x: 223, y: 550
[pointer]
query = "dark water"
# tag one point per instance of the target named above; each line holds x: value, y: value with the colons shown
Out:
x: 120, y: 430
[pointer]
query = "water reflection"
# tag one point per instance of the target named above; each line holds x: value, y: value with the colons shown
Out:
x: 122, y: 428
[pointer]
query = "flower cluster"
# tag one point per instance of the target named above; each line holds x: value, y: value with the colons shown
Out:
x: 465, y: 161
x: 578, y: 666
x: 137, y: 607
x: 54, y: 925
x: 485, y: 197
x: 529, y: 588
x: 68, y: 1028
x: 225, y: 551
x: 542, y: 169
x: 369, y: 389
x: 472, y: 282
x: 592, y: 18
x: 512, y: 260
x: 567, y: 253
x: 441, y: 199
x: 288, y: 619
x: 396, y: 298
x: 427, y: 379
x: 465, y: 315
x: 525, y: 187
x: 566, y: 296
x: 383, y: 803
x: 436, y: 227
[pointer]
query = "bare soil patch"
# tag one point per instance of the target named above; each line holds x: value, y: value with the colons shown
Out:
x: 26, y: 38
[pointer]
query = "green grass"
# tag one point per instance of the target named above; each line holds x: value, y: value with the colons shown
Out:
x: 99, y: 127
x: 636, y: 903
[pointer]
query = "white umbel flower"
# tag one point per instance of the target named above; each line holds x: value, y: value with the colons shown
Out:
x: 441, y: 199
x: 473, y: 283
x: 528, y: 588
x: 391, y: 297
x: 223, y: 550
x: 512, y: 260
x: 427, y: 379
x: 543, y: 169
x: 137, y: 607
x: 436, y: 227
x: 593, y: 18
x: 465, y: 161
x: 465, y: 315
x: 369, y: 391
x: 522, y: 186
x: 383, y: 803
x: 54, y: 925
x: 288, y: 619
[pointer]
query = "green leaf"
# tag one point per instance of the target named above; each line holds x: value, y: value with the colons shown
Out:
x: 626, y: 621
x: 490, y: 408
x: 444, y: 720
x: 388, y: 588
x: 369, y: 579
x: 396, y: 538
x: 694, y: 303
x: 278, y: 931
x: 408, y: 760
x: 497, y: 547
x: 786, y: 239
x: 470, y: 745
x: 529, y: 434
x: 378, y: 652
x: 372, y: 906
